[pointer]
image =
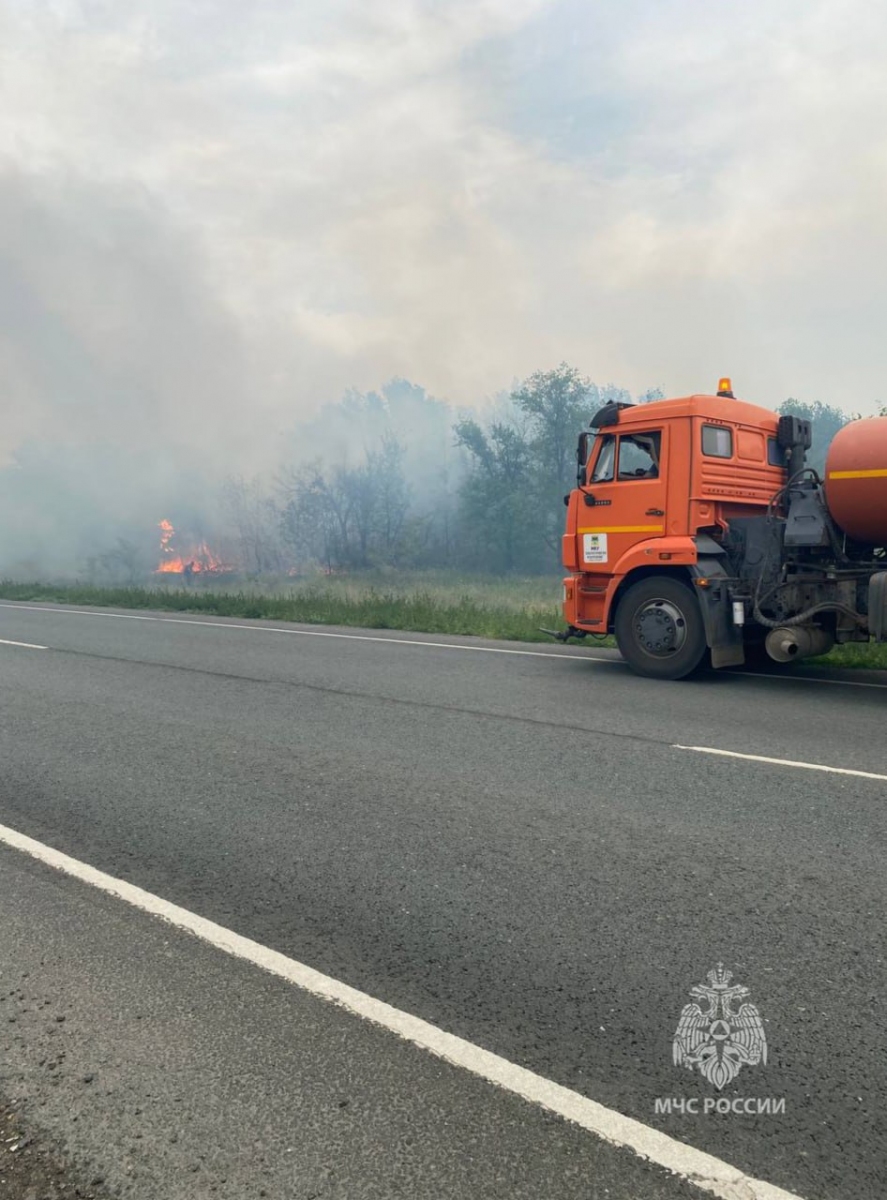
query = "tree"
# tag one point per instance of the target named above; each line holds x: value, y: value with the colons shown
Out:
x: 522, y: 465
x: 397, y: 463
x: 351, y: 516
x: 558, y: 404
x: 256, y: 522
x: 313, y: 521
x: 499, y: 520
x: 392, y: 497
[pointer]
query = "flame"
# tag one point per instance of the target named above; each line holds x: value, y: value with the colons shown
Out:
x: 199, y: 559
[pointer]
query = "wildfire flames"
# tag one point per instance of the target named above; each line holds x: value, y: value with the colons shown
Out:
x: 198, y: 558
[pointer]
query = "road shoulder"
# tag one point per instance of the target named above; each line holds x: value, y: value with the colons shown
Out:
x: 165, y: 1067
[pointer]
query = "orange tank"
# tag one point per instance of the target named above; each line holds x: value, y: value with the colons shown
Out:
x: 856, y: 480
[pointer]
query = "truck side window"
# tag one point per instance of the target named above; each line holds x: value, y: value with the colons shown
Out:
x: 775, y: 453
x: 717, y: 442
x: 639, y: 455
x: 606, y: 461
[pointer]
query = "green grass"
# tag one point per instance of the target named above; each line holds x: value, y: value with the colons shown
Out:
x: 419, y: 605
x: 422, y: 602
x: 855, y: 654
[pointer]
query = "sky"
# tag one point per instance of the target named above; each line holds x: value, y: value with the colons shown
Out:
x: 217, y: 216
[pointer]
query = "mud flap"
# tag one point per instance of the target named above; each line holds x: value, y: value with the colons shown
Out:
x: 878, y: 606
x: 725, y: 640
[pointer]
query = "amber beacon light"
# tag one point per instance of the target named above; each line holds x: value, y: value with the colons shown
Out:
x: 725, y: 388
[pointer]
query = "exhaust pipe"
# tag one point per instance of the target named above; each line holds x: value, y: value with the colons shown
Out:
x: 788, y: 643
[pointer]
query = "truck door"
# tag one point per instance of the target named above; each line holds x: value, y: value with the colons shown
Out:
x: 627, y: 487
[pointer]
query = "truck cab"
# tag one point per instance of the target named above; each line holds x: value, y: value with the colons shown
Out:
x: 658, y: 487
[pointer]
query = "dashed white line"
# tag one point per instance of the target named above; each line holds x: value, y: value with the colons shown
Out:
x: 783, y: 762
x: 704, y: 1170
x: 24, y: 645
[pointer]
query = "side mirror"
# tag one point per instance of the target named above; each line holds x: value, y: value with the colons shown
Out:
x: 581, y: 458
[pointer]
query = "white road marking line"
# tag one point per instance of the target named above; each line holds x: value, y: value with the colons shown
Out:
x: 358, y: 637
x: 704, y: 1170
x: 782, y: 762
x: 351, y: 637
x: 25, y: 645
x: 787, y: 678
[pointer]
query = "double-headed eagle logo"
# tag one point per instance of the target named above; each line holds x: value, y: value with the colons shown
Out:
x: 719, y: 1041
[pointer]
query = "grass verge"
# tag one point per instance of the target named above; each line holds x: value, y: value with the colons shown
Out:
x: 871, y: 656
x: 501, y: 609
x: 420, y: 611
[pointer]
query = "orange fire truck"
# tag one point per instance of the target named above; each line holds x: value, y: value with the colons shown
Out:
x: 696, y: 533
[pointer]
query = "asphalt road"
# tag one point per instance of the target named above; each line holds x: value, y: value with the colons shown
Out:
x: 511, y: 846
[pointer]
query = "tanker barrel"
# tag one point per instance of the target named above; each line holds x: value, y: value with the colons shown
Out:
x: 856, y: 480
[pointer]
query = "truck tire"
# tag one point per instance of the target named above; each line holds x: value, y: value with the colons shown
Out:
x: 659, y: 628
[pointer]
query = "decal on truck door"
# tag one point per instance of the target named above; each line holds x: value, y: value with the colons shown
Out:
x: 594, y: 547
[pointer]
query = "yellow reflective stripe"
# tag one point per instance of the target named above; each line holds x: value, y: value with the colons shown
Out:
x: 623, y: 529
x: 879, y: 473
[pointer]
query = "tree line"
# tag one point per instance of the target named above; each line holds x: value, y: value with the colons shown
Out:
x: 398, y: 479
x: 474, y: 494
x: 444, y: 489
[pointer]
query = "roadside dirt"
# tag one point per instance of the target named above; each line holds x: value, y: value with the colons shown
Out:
x: 31, y: 1168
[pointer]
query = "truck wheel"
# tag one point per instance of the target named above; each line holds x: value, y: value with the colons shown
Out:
x: 659, y: 629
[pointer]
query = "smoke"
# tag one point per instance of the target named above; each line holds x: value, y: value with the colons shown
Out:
x: 215, y: 220
x: 124, y: 378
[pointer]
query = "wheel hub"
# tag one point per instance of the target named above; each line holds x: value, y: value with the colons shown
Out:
x: 660, y: 627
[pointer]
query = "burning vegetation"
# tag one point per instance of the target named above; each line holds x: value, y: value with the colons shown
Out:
x: 194, y: 559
